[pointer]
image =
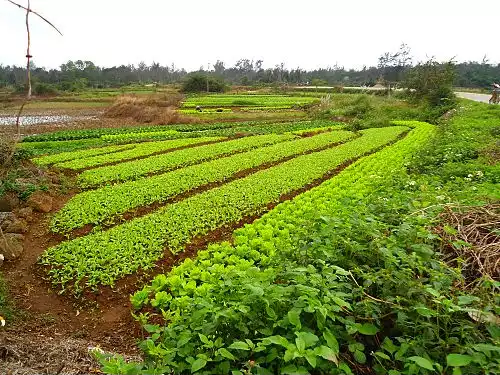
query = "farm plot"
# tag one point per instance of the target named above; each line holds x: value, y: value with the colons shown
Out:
x: 161, y: 163
x: 102, y: 258
x: 105, y: 155
x: 264, y: 102
x: 98, y: 206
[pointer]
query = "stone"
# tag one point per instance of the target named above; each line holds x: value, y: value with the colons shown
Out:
x: 8, y: 202
x: 11, y: 245
x: 6, y: 216
x: 17, y: 226
x: 26, y: 213
x: 40, y: 202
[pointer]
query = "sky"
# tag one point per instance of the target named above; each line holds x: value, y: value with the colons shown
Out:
x: 306, y: 34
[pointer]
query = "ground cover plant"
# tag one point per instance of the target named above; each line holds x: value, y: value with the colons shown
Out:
x: 100, y: 205
x: 346, y: 278
x: 103, y: 257
x: 247, y: 101
x: 164, y: 162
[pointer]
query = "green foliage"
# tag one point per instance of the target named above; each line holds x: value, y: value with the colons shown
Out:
x: 161, y: 163
x: 110, y: 154
x: 253, y: 100
x: 103, y: 257
x: 101, y: 205
x: 431, y: 83
x: 294, y: 293
x: 456, y: 151
x: 203, y: 83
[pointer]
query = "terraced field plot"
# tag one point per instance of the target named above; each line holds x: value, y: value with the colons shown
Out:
x: 263, y: 102
x: 179, y: 195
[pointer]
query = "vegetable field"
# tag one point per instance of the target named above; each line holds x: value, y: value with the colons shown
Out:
x: 290, y: 247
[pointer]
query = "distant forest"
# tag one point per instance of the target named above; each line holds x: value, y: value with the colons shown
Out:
x: 80, y: 75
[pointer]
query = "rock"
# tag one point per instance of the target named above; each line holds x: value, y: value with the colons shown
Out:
x: 11, y: 245
x: 6, y: 216
x: 6, y: 223
x: 8, y: 202
x: 40, y: 202
x: 17, y: 226
x: 25, y: 213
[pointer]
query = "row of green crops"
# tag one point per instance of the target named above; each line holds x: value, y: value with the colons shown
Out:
x: 97, y: 206
x: 214, y: 110
x: 139, y: 150
x: 164, y: 162
x: 139, y: 135
x: 235, y: 304
x: 81, y: 154
x: 313, y: 130
x: 98, y: 133
x: 247, y: 100
x: 102, y: 258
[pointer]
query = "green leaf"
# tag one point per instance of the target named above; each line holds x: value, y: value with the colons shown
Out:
x: 422, y: 362
x: 294, y: 370
x: 486, y: 348
x: 226, y: 354
x: 311, y: 358
x: 204, y: 339
x: 256, y: 290
x: 278, y: 340
x: 382, y: 355
x: 301, y: 344
x: 327, y: 353
x: 467, y: 300
x: 240, y: 345
x: 331, y: 340
x: 368, y: 329
x: 394, y: 372
x: 309, y: 338
x: 294, y: 318
x: 360, y: 357
x: 198, y: 365
x: 458, y: 360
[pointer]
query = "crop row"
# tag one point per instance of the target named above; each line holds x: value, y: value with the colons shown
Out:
x: 97, y: 206
x: 160, y: 163
x: 283, y: 227
x: 250, y: 292
x: 139, y: 135
x: 139, y: 150
x: 82, y: 154
x: 211, y: 110
x: 65, y: 135
x: 104, y: 257
x: 247, y: 100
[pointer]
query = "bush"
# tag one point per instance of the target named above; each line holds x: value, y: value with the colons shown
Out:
x: 198, y: 83
x: 45, y: 89
x: 431, y: 84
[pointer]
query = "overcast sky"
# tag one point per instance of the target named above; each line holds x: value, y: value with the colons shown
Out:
x: 306, y: 34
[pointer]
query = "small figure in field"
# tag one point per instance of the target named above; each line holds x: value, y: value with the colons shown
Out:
x: 199, y: 108
x: 495, y: 94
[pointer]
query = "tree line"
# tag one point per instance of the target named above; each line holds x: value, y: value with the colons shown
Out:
x: 79, y: 75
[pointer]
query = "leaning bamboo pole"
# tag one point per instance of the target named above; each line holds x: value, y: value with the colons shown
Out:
x: 28, y: 60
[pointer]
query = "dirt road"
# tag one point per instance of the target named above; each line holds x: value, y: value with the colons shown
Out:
x: 484, y: 98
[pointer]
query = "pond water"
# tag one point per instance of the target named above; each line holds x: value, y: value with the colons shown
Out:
x: 41, y: 119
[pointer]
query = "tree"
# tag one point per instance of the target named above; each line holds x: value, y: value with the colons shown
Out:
x: 431, y: 83
x: 197, y: 82
x: 394, y: 65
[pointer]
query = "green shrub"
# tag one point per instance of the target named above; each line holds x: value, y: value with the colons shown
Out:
x: 198, y: 83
